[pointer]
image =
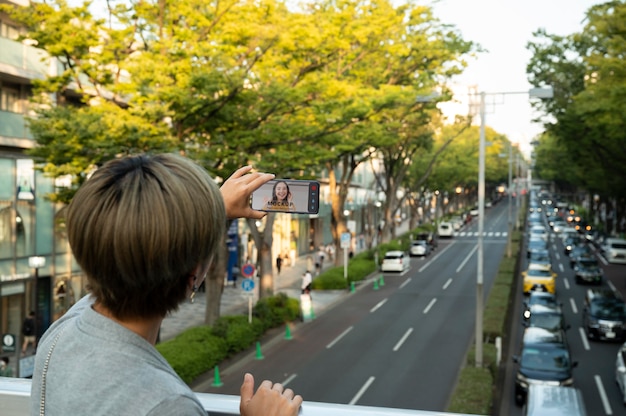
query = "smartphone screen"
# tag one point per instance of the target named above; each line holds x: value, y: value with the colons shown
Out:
x: 288, y: 195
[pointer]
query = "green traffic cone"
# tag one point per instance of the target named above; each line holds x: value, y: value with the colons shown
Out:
x: 288, y: 332
x: 312, y: 311
x: 352, y: 288
x: 382, y: 280
x: 375, y: 284
x: 259, y: 355
x: 216, y: 378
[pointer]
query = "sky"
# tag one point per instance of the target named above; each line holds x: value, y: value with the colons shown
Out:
x: 503, y: 28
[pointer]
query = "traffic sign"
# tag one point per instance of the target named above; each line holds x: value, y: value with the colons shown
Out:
x: 247, y: 285
x: 345, y: 240
x: 248, y: 270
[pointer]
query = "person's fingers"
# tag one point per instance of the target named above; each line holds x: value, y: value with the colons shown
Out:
x: 241, y: 171
x: 255, y: 180
x: 246, y: 391
x: 278, y: 387
x: 288, y: 393
x: 297, y: 401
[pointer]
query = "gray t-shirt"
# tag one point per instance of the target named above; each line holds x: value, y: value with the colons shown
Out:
x: 98, y: 367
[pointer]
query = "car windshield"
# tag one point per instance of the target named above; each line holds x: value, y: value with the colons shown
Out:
x: 550, y: 321
x: 588, y: 264
x: 608, y: 309
x: 545, y: 359
x: 392, y: 256
x: 542, y: 300
x: 539, y: 273
x: 540, y: 257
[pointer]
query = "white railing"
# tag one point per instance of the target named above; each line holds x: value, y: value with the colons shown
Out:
x: 15, y: 401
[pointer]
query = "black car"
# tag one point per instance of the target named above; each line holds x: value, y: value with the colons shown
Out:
x: 588, y: 270
x: 544, y: 359
x: 536, y: 245
x: 578, y: 252
x: 569, y: 243
x: 430, y: 237
x: 604, y: 315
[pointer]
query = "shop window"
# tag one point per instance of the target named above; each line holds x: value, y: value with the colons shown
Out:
x: 10, y: 99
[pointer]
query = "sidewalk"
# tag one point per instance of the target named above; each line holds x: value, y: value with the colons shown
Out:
x: 235, y: 300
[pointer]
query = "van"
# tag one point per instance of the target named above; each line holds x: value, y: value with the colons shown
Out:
x: 614, y: 250
x: 445, y: 229
x: 544, y: 400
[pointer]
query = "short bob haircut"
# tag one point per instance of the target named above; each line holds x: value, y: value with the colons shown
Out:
x: 140, y: 226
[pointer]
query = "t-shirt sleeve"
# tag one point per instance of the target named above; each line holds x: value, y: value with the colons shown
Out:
x: 178, y: 405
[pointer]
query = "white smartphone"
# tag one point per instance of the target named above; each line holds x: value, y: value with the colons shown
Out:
x: 287, y: 195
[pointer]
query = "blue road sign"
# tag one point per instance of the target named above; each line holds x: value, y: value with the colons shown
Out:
x: 247, y: 285
x: 248, y: 270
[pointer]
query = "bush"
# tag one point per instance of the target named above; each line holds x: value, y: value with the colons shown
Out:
x: 198, y: 350
x: 194, y: 352
x: 359, y: 268
x: 276, y: 310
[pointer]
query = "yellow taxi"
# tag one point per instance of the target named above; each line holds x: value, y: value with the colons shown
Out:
x: 539, y: 279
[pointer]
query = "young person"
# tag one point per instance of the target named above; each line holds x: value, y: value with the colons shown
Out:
x: 145, y: 230
x: 282, y: 199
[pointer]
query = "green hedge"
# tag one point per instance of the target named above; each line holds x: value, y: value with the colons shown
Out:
x: 199, y: 349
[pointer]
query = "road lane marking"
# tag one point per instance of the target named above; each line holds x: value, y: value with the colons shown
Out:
x: 466, y: 259
x: 430, y: 305
x: 611, y: 285
x: 406, y: 282
x: 566, y: 283
x: 339, y: 337
x: 360, y: 393
x: 558, y: 257
x: 573, y: 303
x: 289, y: 379
x: 605, y: 400
x: 404, y: 337
x: 436, y: 257
x: 554, y: 248
x: 447, y: 284
x: 561, y: 268
x: 583, y: 336
x: 381, y: 303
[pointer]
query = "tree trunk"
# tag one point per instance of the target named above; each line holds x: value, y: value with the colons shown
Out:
x: 214, y: 285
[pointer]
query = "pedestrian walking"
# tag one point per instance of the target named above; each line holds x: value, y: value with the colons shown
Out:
x: 307, y: 280
x: 279, y: 263
x: 28, y: 332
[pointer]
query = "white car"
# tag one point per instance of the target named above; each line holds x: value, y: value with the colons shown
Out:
x: 445, y: 229
x: 538, y: 231
x: 620, y: 371
x: 395, y: 261
x: 419, y: 248
x: 614, y: 250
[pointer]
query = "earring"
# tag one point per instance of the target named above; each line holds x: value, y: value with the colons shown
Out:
x: 194, y: 289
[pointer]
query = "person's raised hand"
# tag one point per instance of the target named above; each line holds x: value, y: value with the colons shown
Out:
x: 237, y: 190
x: 269, y: 399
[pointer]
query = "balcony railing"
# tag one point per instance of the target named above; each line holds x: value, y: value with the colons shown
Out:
x: 15, y: 401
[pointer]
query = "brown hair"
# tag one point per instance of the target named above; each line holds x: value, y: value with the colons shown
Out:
x: 140, y: 226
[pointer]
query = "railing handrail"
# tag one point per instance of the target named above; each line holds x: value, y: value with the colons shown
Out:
x: 15, y: 401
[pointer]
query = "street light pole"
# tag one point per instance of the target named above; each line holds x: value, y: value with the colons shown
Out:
x: 510, y: 223
x: 534, y: 92
x: 481, y: 226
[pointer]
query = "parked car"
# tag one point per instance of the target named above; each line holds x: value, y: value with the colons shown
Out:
x: 614, y: 250
x: 588, y: 270
x: 395, y: 261
x: 539, y: 280
x: 604, y: 315
x: 620, y: 371
x: 579, y: 252
x: 419, y: 248
x: 544, y: 358
x: 430, y: 237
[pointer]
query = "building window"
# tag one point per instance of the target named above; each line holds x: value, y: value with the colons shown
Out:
x: 9, y: 31
x: 10, y: 99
